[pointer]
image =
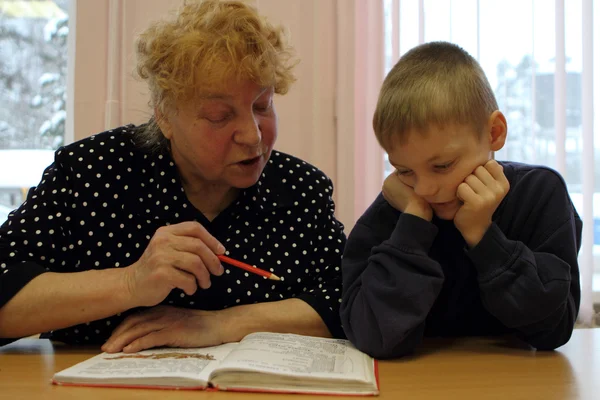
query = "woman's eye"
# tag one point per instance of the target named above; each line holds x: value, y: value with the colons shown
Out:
x: 262, y: 107
x: 215, y: 119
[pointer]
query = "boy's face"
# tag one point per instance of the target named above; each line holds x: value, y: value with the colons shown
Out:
x: 434, y: 162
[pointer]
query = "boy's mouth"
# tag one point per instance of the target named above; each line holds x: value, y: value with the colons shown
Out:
x: 444, y: 204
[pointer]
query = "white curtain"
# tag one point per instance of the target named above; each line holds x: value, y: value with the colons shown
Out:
x: 541, y: 63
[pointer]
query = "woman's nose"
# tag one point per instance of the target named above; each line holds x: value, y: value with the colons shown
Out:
x: 249, y: 133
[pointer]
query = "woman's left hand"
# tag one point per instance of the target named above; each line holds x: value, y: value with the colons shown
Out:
x: 166, y: 326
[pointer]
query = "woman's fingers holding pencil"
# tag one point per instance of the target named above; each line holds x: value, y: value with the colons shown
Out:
x: 193, y: 245
x: 195, y: 229
x: 193, y: 238
x: 178, y: 256
x: 191, y: 264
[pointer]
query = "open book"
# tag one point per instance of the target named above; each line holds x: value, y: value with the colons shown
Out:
x: 262, y: 362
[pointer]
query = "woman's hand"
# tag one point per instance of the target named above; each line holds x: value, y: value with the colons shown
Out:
x: 403, y: 198
x: 178, y: 256
x: 166, y: 326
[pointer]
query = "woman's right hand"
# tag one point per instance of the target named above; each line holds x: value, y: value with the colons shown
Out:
x: 403, y: 198
x: 178, y: 256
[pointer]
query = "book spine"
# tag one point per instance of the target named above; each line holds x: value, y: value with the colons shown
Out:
x: 119, y: 386
x: 291, y: 391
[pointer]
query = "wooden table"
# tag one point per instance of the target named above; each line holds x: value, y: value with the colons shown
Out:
x: 469, y: 368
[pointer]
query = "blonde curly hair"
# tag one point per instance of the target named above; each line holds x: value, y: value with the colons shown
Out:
x: 207, y: 43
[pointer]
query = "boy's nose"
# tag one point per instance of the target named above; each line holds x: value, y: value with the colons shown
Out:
x: 425, y: 188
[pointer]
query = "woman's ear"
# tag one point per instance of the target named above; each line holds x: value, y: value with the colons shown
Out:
x: 497, y: 130
x: 163, y: 123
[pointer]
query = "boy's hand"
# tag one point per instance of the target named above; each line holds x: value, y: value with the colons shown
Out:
x: 481, y: 193
x: 403, y: 198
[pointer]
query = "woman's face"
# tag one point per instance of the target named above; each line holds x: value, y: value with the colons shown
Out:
x: 223, y: 138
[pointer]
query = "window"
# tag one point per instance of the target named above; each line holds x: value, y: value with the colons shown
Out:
x: 517, y: 50
x: 33, y: 63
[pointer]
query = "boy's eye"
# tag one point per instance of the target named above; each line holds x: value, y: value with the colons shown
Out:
x: 444, y: 166
x: 403, y: 172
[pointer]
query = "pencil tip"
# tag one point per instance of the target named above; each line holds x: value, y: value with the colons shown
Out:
x: 275, y: 277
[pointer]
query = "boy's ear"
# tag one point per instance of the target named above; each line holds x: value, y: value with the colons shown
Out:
x: 497, y: 130
x: 163, y: 123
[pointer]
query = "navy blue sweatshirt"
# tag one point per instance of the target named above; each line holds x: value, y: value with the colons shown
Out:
x: 405, y: 278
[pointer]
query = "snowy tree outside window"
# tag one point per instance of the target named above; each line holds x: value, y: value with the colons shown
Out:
x: 33, y: 72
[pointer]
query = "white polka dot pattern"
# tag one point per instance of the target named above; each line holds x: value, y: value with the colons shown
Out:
x: 100, y: 202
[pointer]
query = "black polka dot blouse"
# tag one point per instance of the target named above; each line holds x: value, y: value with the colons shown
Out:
x: 100, y: 202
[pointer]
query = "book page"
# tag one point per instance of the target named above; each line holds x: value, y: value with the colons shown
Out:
x: 298, y: 355
x: 196, y: 364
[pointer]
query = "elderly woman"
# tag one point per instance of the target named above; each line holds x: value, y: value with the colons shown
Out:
x: 118, y: 243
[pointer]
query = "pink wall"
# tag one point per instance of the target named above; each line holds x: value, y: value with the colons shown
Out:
x: 99, y: 56
x: 89, y: 68
x: 307, y: 112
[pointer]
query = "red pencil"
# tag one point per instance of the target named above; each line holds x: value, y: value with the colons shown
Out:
x: 249, y: 268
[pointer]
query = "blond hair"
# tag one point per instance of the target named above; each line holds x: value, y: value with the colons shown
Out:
x: 434, y: 84
x: 208, y: 43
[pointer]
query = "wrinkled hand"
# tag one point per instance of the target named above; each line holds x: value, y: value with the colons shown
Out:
x: 481, y: 193
x: 178, y: 256
x: 403, y: 198
x: 166, y: 326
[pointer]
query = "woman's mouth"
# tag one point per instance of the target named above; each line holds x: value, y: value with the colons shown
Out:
x: 250, y: 161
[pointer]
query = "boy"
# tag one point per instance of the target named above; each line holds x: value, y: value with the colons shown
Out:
x: 457, y: 243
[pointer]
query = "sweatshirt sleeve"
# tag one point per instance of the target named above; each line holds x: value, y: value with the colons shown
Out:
x: 532, y: 285
x: 389, y: 286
